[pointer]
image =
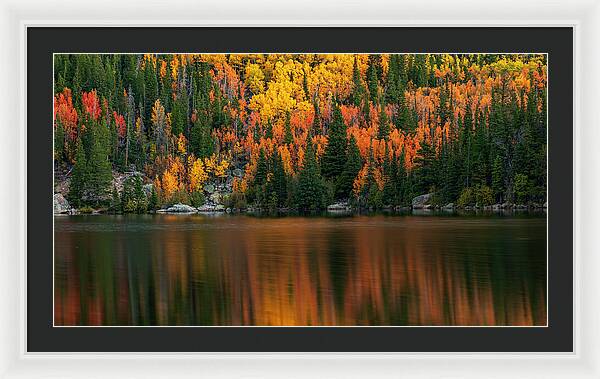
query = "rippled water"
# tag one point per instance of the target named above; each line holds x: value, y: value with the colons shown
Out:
x: 243, y: 270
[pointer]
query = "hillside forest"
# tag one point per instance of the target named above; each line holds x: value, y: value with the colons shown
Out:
x: 300, y: 131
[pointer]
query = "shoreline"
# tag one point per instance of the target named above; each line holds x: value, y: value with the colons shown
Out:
x: 457, y: 212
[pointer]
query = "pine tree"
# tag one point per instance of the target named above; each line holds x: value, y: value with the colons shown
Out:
x: 392, y: 89
x: 115, y: 204
x: 78, y: 177
x: 262, y: 169
x: 305, y: 87
x: 497, y: 178
x: 316, y: 126
x: 358, y: 90
x: 372, y: 79
x: 351, y: 169
x: 390, y: 187
x: 402, y: 188
x: 310, y: 189
x: 288, y: 137
x: 279, y: 180
x: 99, y: 172
x: 150, y: 88
x: 59, y: 142
x: 201, y: 142
x: 424, y: 169
x: 153, y: 203
x: 384, y: 127
x: 334, y: 158
x: 179, y: 115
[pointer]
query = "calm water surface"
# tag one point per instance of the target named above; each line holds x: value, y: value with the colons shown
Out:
x: 244, y: 270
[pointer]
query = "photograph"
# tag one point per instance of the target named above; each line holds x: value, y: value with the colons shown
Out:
x: 300, y: 189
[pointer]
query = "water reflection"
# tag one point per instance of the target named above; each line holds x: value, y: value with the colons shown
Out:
x: 240, y: 270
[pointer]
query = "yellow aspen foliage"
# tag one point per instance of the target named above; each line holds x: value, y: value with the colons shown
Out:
x: 255, y: 78
x: 181, y: 144
x: 174, y: 68
x: 169, y: 184
x: 220, y: 170
x: 138, y: 125
x: 210, y: 164
x: 158, y: 116
x: 163, y: 68
x: 197, y: 174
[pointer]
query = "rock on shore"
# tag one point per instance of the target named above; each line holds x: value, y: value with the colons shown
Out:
x: 339, y: 207
x: 179, y: 208
x: 208, y: 208
x: 421, y: 201
x: 61, y: 205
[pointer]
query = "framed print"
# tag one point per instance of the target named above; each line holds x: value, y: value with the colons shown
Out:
x: 395, y: 194
x: 299, y: 196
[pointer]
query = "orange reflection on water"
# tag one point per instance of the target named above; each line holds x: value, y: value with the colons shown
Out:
x: 194, y: 270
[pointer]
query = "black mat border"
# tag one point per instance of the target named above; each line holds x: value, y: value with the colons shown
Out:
x: 42, y: 42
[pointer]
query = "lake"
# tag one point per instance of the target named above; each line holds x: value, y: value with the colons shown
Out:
x: 245, y: 270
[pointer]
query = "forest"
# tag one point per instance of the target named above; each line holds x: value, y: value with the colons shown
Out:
x: 300, y: 131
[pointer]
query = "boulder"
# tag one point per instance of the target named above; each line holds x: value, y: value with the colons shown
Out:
x: 337, y: 207
x: 61, y: 205
x: 420, y: 201
x: 216, y: 197
x: 448, y: 207
x: 208, y: 208
x: 209, y: 188
x: 181, y: 208
x: 62, y: 186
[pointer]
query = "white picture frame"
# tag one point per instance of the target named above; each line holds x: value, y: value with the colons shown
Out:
x: 583, y: 16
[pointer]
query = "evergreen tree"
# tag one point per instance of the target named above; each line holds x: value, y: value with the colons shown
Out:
x: 403, y: 190
x: 59, y: 142
x: 392, y: 89
x: 99, y: 173
x: 384, y: 127
x: 201, y: 141
x: 351, y: 169
x: 153, y: 203
x: 78, y: 177
x: 262, y: 169
x: 358, y: 90
x: 179, y: 115
x: 334, y: 158
x: 310, y: 189
x: 288, y: 137
x: 316, y: 126
x: 305, y: 87
x: 424, y: 169
x: 372, y: 79
x: 279, y: 180
x: 390, y: 187
x: 150, y: 86
x: 115, y: 204
x: 497, y: 178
